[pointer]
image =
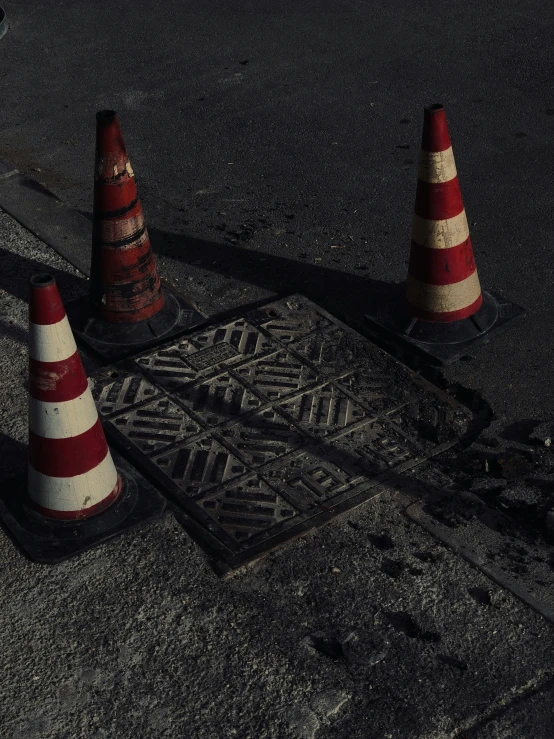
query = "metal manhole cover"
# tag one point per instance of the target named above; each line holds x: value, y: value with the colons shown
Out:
x: 203, y: 354
x: 264, y: 427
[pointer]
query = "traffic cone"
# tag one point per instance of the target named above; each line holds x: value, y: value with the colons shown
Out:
x: 124, y: 282
x: 127, y: 309
x: 444, y: 311
x: 442, y: 281
x: 71, y: 470
x: 76, y: 495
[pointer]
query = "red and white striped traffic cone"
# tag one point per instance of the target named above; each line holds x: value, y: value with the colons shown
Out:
x: 76, y: 493
x: 444, y: 312
x: 442, y: 281
x: 71, y: 471
x: 127, y: 309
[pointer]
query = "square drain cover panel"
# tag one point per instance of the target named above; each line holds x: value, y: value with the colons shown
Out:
x: 270, y: 424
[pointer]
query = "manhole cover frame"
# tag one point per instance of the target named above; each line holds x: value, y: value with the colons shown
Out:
x: 228, y: 553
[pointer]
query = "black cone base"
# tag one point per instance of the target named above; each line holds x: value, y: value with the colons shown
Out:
x: 50, y: 541
x: 443, y: 342
x: 114, y: 341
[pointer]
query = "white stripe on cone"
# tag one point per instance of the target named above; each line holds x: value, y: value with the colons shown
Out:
x: 437, y: 166
x: 73, y: 493
x: 115, y: 230
x: 133, y: 245
x: 51, y: 343
x: 443, y: 298
x: 63, y: 419
x: 441, y: 234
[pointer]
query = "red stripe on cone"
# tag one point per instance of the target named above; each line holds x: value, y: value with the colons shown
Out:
x: 128, y: 264
x: 68, y: 457
x: 119, y: 199
x: 435, y: 135
x: 45, y: 307
x: 54, y: 382
x: 132, y: 297
x: 443, y: 285
x: 109, y: 142
x: 442, y: 266
x: 438, y: 201
x: 125, y: 287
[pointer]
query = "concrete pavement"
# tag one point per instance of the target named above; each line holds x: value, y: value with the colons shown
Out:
x: 367, y: 628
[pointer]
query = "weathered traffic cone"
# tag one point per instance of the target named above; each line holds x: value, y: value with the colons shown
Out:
x: 124, y: 282
x: 127, y: 309
x: 444, y: 312
x: 75, y: 494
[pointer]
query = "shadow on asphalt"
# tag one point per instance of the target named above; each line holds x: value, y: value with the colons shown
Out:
x: 14, y: 279
x: 13, y: 456
x: 520, y: 430
x: 13, y: 332
x: 341, y: 293
x: 17, y: 269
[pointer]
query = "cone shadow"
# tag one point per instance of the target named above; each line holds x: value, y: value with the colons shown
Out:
x: 17, y: 269
x: 13, y: 332
x: 341, y: 293
x: 13, y: 456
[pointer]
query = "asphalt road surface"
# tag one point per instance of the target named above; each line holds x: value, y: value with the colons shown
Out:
x: 294, y: 128
x: 275, y: 148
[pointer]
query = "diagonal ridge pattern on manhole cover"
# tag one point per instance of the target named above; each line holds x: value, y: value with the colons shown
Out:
x: 271, y: 424
x: 219, y: 400
x: 324, y: 410
x: 246, y: 508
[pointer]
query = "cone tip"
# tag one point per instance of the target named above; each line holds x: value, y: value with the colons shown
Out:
x: 435, y: 108
x: 42, y: 280
x: 105, y: 116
